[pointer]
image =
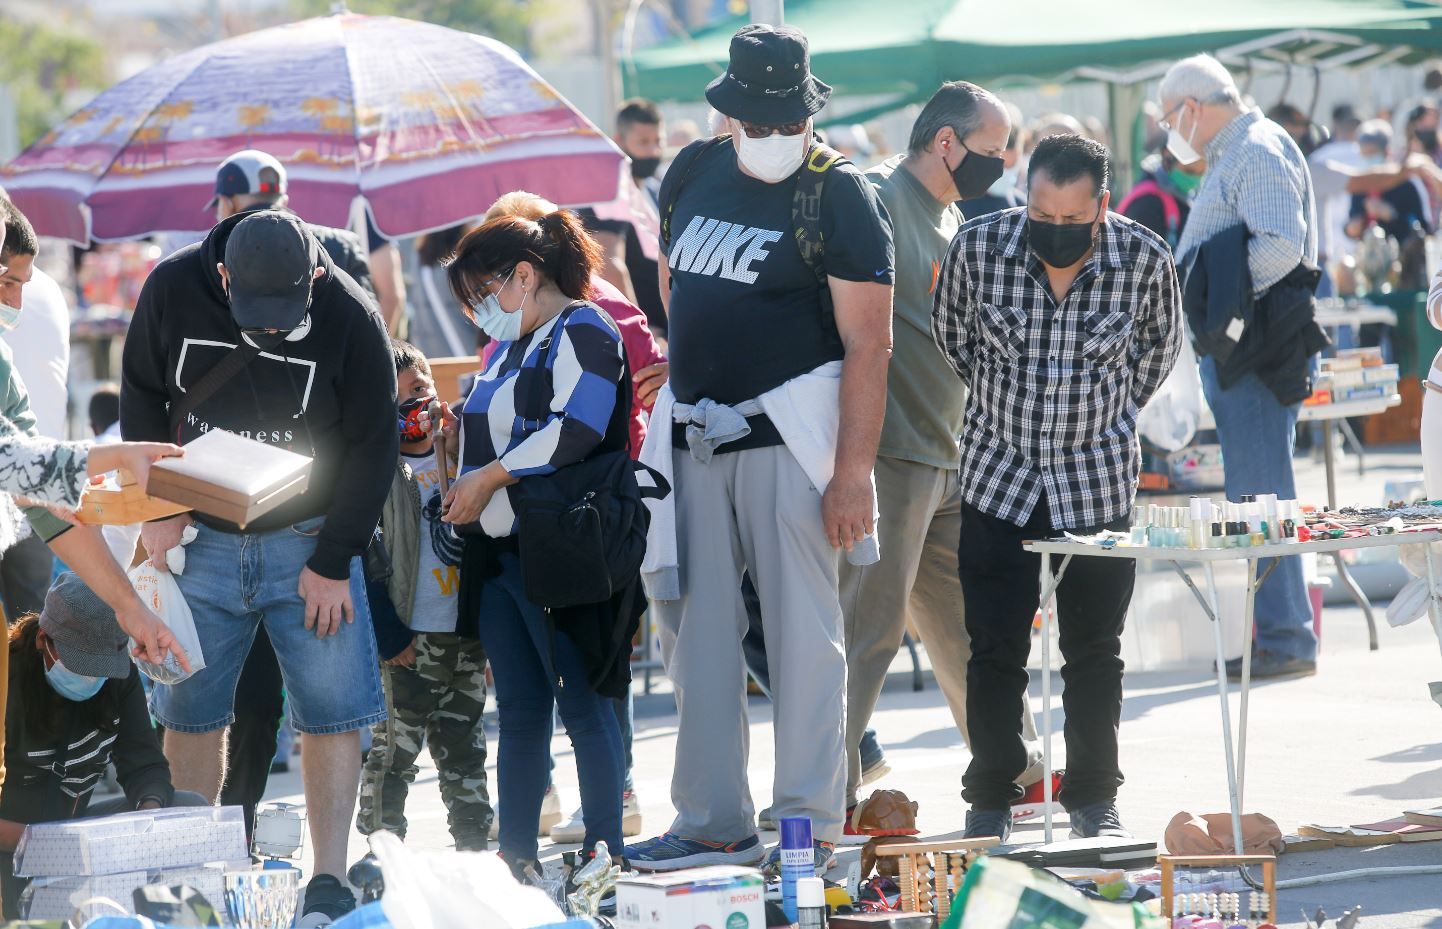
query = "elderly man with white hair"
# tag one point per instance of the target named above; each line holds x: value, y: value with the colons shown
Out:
x: 1257, y: 178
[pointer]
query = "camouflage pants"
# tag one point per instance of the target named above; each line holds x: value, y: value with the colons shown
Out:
x: 439, y: 702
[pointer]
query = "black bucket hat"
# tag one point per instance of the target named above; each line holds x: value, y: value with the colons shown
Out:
x: 768, y: 81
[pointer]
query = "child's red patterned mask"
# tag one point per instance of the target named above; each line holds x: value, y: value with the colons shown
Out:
x: 409, y: 419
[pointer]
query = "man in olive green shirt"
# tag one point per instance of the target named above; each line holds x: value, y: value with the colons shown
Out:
x: 954, y: 154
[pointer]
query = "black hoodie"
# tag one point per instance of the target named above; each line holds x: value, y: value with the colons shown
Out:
x: 328, y: 391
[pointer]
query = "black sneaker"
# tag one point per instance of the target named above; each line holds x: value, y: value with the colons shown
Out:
x: 983, y: 823
x: 1097, y: 819
x: 326, y: 900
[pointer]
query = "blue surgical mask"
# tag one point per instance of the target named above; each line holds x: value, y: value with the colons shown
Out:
x: 72, y: 686
x: 496, y: 322
x: 9, y: 317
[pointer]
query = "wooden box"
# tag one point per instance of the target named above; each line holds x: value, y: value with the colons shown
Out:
x: 122, y: 503
x: 230, y: 477
x: 448, y: 374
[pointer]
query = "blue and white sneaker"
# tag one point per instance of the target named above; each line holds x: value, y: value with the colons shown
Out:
x: 824, y: 858
x: 670, y: 852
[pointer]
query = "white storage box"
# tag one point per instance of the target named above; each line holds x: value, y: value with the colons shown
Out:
x: 149, y: 841
x: 60, y: 897
x: 713, y: 898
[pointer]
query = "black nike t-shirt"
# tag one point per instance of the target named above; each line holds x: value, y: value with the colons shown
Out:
x: 745, y: 312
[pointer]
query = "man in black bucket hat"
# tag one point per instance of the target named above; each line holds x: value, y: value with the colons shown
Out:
x: 776, y: 268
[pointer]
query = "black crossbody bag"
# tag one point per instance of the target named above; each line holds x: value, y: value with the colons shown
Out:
x: 581, y: 530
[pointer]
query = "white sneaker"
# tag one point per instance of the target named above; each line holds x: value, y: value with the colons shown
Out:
x: 573, y: 829
x: 550, y: 815
x: 630, y: 814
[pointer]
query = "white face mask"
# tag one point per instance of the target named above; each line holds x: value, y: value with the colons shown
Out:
x: 1182, y: 146
x: 1004, y: 184
x: 496, y: 322
x: 9, y: 317
x: 772, y: 159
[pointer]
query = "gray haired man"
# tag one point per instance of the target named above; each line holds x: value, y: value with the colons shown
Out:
x: 956, y: 153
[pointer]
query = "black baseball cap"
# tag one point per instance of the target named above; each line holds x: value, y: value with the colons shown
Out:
x: 271, y: 258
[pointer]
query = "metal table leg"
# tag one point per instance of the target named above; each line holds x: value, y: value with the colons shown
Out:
x: 1049, y: 584
x: 1329, y: 461
x: 1226, y: 703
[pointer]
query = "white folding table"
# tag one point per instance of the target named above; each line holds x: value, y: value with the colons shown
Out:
x: 1236, y: 758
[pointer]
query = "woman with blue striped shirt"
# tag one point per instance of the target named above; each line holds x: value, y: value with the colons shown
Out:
x: 547, y: 399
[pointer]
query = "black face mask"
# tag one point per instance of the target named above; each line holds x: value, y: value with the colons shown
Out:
x: 642, y: 168
x: 1428, y: 138
x: 975, y: 174
x: 1060, y: 245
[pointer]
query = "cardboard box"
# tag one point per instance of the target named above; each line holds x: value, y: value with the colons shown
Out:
x: 231, y: 477
x: 713, y: 898
x: 150, y: 841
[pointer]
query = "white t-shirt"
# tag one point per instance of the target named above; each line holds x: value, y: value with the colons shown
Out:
x: 1332, y: 165
x: 436, y: 582
x: 40, y: 342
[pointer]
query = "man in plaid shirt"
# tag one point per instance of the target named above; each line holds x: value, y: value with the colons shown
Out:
x: 1063, y: 320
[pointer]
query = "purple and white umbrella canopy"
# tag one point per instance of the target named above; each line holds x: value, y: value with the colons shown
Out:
x: 428, y: 125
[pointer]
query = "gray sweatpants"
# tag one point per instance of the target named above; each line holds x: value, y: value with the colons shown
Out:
x: 755, y: 511
x: 917, y: 578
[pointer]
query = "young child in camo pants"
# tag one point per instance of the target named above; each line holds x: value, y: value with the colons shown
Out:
x: 435, y: 683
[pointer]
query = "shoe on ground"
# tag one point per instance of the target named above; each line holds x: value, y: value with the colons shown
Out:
x: 1096, y: 820
x: 573, y: 829
x: 875, y: 771
x: 823, y: 859
x: 766, y: 820
x: 280, y: 767
x: 1032, y: 805
x: 981, y: 824
x: 326, y: 901
x: 1267, y: 664
x: 670, y: 852
x: 550, y: 815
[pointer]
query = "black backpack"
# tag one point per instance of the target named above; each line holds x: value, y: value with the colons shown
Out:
x: 805, y: 209
x: 581, y: 529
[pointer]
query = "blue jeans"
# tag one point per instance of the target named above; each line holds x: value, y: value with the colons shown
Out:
x: 521, y: 648
x: 233, y: 582
x: 1256, y: 433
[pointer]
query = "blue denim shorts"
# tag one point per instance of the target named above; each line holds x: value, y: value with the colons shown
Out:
x: 234, y: 581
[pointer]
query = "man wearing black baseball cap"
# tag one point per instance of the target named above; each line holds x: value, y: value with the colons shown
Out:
x: 317, y: 378
x: 777, y: 266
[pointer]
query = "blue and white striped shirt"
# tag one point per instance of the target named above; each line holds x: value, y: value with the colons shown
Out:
x: 536, y: 427
x: 1258, y: 176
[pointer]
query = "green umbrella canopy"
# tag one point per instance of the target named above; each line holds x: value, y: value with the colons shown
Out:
x: 906, y: 48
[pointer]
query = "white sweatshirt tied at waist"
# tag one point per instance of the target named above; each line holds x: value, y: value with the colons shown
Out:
x: 806, y: 412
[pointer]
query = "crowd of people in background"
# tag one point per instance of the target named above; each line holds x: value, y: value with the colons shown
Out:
x: 848, y: 386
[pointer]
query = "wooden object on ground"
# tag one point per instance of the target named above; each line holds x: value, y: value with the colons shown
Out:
x: 1171, y: 863
x: 932, y: 871
x: 1432, y: 817
x: 1306, y: 843
x: 448, y: 372
x: 122, y: 505
x: 1402, y: 423
x: 231, y: 477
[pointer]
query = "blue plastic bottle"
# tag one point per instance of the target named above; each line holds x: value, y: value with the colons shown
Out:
x: 797, y: 859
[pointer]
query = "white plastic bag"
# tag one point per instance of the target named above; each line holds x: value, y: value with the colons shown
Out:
x: 1170, y: 418
x: 455, y: 890
x: 162, y: 594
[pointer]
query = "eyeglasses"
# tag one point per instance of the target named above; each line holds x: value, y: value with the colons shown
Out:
x: 1165, y: 123
x: 763, y: 132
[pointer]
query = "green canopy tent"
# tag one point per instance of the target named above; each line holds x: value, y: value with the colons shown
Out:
x: 905, y: 50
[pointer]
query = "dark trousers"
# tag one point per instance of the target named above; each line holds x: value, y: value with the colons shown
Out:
x: 1001, y: 590
x: 259, y: 706
x: 536, y: 672
x: 25, y: 573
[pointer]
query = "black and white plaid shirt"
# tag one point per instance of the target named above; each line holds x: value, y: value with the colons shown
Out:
x: 1055, y: 388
